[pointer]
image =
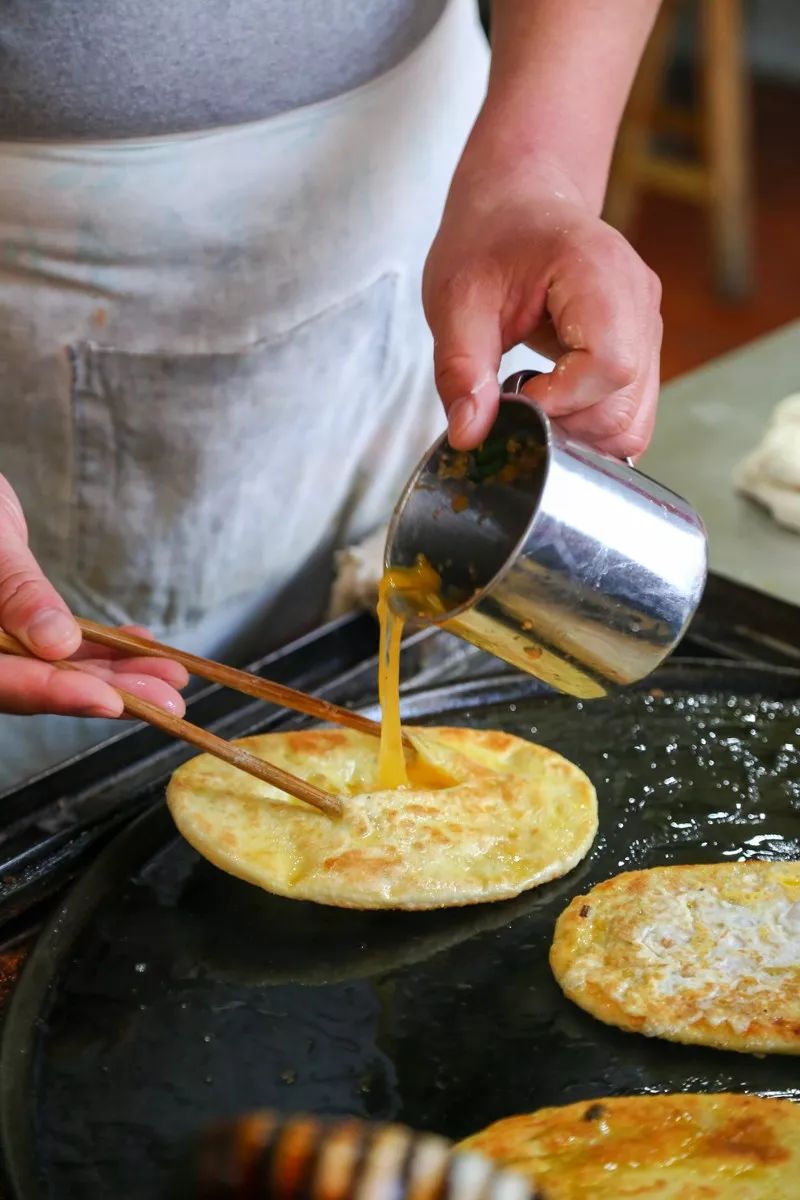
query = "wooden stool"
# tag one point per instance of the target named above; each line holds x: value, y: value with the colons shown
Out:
x: 719, y: 175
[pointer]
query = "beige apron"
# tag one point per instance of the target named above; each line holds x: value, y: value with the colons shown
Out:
x: 213, y: 359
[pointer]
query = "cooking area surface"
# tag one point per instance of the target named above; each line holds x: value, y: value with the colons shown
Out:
x: 188, y: 994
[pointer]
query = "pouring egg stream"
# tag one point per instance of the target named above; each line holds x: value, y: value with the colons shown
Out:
x: 419, y: 588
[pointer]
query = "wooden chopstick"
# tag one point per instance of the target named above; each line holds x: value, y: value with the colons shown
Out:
x: 185, y: 731
x: 232, y: 677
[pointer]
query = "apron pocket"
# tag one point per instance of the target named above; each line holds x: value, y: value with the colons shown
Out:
x: 199, y: 478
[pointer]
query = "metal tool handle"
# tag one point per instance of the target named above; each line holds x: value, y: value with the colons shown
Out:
x: 516, y: 382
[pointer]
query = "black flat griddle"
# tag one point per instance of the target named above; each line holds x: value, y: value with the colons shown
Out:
x: 164, y: 994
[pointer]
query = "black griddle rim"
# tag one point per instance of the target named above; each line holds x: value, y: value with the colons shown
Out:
x: 26, y: 1013
x: 739, y: 621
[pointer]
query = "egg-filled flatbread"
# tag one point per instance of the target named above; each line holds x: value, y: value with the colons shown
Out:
x: 706, y: 954
x: 485, y: 816
x: 718, y: 1147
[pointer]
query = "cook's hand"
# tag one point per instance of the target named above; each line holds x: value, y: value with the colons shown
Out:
x: 521, y: 258
x: 32, y: 610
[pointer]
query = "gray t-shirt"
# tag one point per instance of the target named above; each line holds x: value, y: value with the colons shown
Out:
x: 130, y: 68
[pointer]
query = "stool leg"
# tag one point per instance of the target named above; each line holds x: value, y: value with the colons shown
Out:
x: 727, y: 143
x: 633, y: 142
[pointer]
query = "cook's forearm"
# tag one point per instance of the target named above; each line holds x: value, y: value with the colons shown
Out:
x: 561, y: 73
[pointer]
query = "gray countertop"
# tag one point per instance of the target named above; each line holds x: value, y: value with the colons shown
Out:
x: 708, y: 421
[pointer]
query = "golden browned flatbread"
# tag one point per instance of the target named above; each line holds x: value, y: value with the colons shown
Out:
x: 707, y: 954
x: 513, y: 816
x: 689, y: 1147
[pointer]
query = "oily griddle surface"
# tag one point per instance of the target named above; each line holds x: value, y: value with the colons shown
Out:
x: 189, y: 995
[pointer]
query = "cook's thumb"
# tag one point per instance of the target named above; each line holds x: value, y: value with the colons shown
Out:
x: 30, y: 607
x: 467, y: 347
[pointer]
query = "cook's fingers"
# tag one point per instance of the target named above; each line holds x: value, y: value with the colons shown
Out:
x: 94, y: 650
x: 603, y: 307
x: 464, y: 317
x: 30, y: 685
x: 584, y: 380
x: 30, y: 607
x: 155, y: 668
x: 148, y: 687
x: 636, y: 438
x: 134, y: 664
x: 622, y: 422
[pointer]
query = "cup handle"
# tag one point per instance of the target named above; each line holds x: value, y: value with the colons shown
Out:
x: 516, y: 382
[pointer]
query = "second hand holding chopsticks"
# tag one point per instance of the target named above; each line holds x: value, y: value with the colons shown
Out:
x: 184, y: 730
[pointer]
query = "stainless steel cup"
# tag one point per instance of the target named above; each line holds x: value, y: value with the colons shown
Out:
x: 586, y: 574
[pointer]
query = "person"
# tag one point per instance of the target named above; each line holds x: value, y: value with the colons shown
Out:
x: 214, y: 358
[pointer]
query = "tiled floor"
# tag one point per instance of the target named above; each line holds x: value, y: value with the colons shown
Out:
x: 672, y: 237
